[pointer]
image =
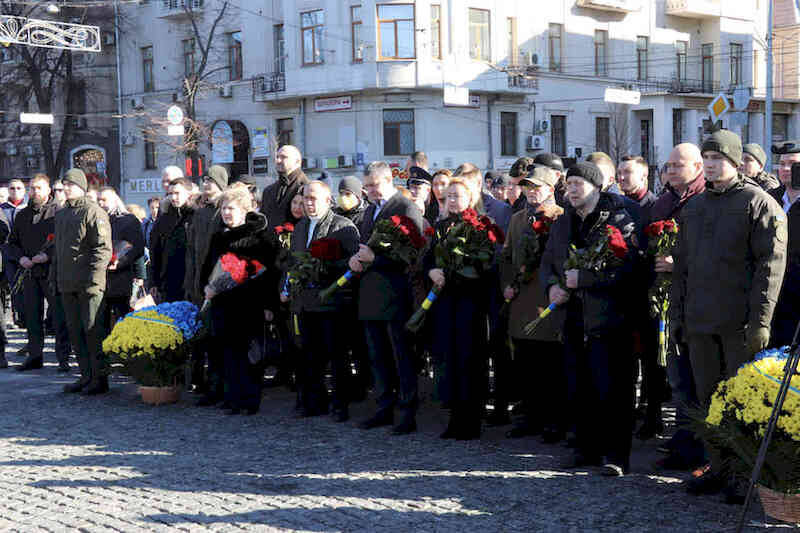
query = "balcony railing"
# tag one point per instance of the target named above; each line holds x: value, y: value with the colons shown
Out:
x: 675, y: 86
x: 693, y: 8
x: 619, y: 6
x: 179, y: 8
x: 274, y: 82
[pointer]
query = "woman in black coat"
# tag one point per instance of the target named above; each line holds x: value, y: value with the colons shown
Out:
x: 459, y: 340
x: 236, y: 316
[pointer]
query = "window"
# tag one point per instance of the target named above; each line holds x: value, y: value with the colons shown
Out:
x: 398, y: 131
x: 480, y: 47
x: 600, y: 47
x: 554, y: 35
x: 677, y: 126
x: 508, y: 134
x: 644, y: 131
x: 602, y: 134
x: 355, y: 34
x: 149, y: 155
x: 736, y: 63
x: 681, y: 51
x: 396, y: 31
x: 6, y: 54
x: 188, y: 57
x: 235, y: 55
x: 76, y: 103
x: 641, y: 57
x: 558, y: 134
x: 511, y: 30
x: 708, y: 67
x: 285, y: 127
x: 436, y: 31
x: 311, y: 26
x: 147, y: 68
x: 279, y: 46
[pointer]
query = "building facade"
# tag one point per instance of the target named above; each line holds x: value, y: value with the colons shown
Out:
x: 352, y: 82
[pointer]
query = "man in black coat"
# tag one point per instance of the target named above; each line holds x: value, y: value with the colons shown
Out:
x: 595, y: 323
x: 351, y: 203
x: 276, y: 200
x: 385, y: 305
x: 124, y: 227
x: 322, y: 324
x: 787, y: 311
x: 168, y: 244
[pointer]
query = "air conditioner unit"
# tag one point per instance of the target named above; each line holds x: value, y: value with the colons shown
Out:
x: 535, y: 142
x: 310, y: 162
x: 11, y: 149
x: 226, y: 91
x: 528, y: 59
x: 30, y: 150
x: 542, y: 125
x: 137, y: 102
x: 575, y: 151
x: 32, y: 162
x: 345, y: 161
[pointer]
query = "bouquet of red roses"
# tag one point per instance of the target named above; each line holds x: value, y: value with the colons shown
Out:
x: 466, y: 248
x: 311, y: 267
x: 396, y: 238
x: 25, y: 273
x: 119, y: 249
x: 662, y: 238
x: 231, y: 271
x: 284, y: 233
x: 608, y: 252
x: 531, y: 249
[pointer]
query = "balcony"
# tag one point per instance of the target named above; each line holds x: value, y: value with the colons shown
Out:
x: 266, y: 84
x: 618, y: 6
x: 177, y: 9
x: 695, y: 9
x: 519, y: 81
x: 675, y: 86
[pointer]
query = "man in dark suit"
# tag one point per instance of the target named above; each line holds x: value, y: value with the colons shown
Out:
x: 277, y: 198
x: 385, y: 305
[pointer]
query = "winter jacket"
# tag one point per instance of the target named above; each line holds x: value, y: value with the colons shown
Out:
x: 531, y: 298
x: 29, y: 236
x: 599, y: 303
x: 730, y: 260
x: 355, y: 215
x: 767, y: 181
x: 276, y: 206
x: 331, y: 226
x: 168, y: 243
x: 206, y: 221
x: 239, y: 312
x: 125, y: 227
x: 82, y: 251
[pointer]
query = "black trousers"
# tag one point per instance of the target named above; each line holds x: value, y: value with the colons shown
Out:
x: 36, y: 291
x: 322, y: 342
x: 604, y: 395
x: 242, y: 379
x: 84, y: 317
x: 542, y: 405
x: 393, y: 365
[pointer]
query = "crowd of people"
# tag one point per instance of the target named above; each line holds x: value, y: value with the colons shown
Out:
x: 735, y: 273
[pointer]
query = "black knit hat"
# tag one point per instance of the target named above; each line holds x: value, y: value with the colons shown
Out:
x: 549, y: 160
x: 588, y: 171
x: 726, y: 143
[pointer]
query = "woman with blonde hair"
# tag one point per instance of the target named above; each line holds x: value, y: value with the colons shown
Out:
x: 236, y: 316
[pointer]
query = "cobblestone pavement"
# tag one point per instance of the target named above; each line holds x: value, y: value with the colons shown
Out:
x: 71, y: 462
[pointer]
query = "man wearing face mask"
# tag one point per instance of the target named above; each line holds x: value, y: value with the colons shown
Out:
x: 351, y: 204
x: 787, y: 312
x: 168, y: 244
x: 322, y: 325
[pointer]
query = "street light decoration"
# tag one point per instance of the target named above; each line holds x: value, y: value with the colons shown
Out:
x: 49, y: 34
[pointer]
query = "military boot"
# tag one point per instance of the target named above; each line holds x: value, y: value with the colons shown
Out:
x: 98, y: 386
x: 76, y: 387
x: 31, y: 363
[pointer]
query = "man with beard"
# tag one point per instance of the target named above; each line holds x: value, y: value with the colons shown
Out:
x: 384, y: 305
x: 594, y: 331
x: 168, y: 244
x: 729, y: 265
x: 30, y: 244
x: 82, y: 252
x: 277, y: 197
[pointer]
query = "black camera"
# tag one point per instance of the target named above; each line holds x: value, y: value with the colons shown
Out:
x: 788, y: 147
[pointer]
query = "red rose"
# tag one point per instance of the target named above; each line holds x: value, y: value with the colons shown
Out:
x: 234, y: 266
x: 404, y: 230
x: 540, y: 227
x: 616, y: 242
x: 670, y: 226
x: 113, y: 258
x: 498, y: 233
x: 326, y: 249
x: 396, y: 220
x: 50, y: 237
x: 288, y: 227
x: 278, y: 229
x: 491, y: 236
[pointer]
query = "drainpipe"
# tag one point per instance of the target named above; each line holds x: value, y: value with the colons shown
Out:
x: 119, y: 101
x: 302, y: 125
x: 489, y: 102
x: 768, y: 101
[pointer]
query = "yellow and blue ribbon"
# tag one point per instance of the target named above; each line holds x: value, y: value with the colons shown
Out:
x: 346, y: 277
x: 428, y: 301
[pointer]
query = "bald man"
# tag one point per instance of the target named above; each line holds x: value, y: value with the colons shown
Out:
x: 277, y: 198
x: 683, y: 177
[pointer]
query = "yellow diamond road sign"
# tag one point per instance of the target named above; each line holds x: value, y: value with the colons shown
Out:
x: 718, y: 106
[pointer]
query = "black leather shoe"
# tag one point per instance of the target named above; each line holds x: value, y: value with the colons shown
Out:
x: 405, y: 427
x: 612, y: 470
x: 381, y: 418
x: 705, y: 481
x: 63, y: 367
x: 76, y: 387
x: 99, y: 387
x: 31, y: 364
